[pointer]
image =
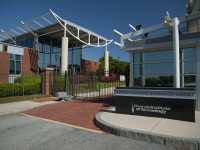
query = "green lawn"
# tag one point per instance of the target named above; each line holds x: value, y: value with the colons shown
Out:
x: 22, y: 98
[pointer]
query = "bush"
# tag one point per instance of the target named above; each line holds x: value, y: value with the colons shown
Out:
x: 59, y: 84
x: 79, y: 78
x: 10, y: 89
x: 32, y: 85
x: 107, y: 79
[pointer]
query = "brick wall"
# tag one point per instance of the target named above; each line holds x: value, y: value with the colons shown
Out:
x: 89, y: 66
x: 30, y: 61
x: 4, y: 64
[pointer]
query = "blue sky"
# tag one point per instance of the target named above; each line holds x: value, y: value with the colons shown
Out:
x: 98, y: 16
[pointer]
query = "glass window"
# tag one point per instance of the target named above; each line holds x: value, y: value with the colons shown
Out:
x: 18, y: 67
x: 12, y: 67
x: 158, y: 56
x: 190, y: 67
x: 12, y: 56
x: 157, y: 68
x: 15, y: 64
x: 189, y: 54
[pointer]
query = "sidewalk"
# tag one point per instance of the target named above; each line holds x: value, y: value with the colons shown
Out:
x: 16, y: 107
x: 182, y: 134
x: 78, y: 113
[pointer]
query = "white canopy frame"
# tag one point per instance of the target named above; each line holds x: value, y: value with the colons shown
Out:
x: 89, y: 33
x: 85, y: 36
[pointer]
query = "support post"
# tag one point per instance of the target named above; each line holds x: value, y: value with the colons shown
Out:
x: 198, y: 77
x: 131, y: 71
x: 182, y: 67
x: 142, y: 70
x: 64, y: 60
x: 106, y: 63
x: 176, y: 53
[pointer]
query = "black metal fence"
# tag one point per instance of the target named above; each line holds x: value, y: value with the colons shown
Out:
x: 78, y: 85
x: 19, y: 85
x: 87, y: 85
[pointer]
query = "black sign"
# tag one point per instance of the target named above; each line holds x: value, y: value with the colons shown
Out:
x: 172, y: 108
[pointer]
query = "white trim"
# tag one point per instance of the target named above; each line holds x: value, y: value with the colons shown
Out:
x: 15, y: 50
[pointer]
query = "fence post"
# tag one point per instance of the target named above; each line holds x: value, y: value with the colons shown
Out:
x: 47, y: 82
x: 50, y: 89
x: 99, y: 87
x: 66, y: 81
x: 23, y: 83
x: 54, y: 81
x: 73, y: 83
x: 42, y: 82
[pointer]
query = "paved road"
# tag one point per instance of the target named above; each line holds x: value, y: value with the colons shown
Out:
x: 18, y: 132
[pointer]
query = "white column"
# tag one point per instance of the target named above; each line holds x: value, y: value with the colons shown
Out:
x: 64, y: 56
x: 106, y: 63
x: 142, y: 71
x: 131, y: 71
x: 176, y: 53
x: 198, y: 76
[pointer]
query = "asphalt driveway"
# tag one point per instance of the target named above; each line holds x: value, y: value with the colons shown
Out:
x: 18, y: 132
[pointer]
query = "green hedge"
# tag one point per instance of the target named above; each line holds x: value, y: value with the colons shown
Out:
x: 32, y: 85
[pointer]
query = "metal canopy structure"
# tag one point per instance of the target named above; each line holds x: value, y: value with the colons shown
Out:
x: 168, y: 24
x: 54, y: 26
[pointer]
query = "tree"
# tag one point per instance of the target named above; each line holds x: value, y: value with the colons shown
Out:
x: 115, y: 66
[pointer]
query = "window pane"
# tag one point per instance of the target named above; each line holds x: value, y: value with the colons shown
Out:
x: 189, y: 67
x: 12, y: 67
x: 17, y: 57
x: 136, y: 69
x: 190, y: 81
x: 18, y: 67
x: 136, y: 58
x: 159, y: 81
x: 189, y: 54
x: 154, y: 81
x: 158, y: 56
x: 12, y: 56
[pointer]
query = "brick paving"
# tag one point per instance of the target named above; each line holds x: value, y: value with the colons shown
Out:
x: 47, y: 99
x: 77, y: 112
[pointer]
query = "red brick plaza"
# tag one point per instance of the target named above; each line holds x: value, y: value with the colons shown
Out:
x: 76, y: 112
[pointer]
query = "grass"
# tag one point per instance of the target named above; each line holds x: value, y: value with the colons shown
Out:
x: 22, y: 98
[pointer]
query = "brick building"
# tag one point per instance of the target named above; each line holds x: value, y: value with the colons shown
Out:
x: 47, y: 41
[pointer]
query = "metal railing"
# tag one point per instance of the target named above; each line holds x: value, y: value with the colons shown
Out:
x: 87, y: 85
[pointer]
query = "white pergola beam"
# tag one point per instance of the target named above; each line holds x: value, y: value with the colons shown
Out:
x: 47, y: 20
x: 38, y: 23
x: 132, y: 27
x: 29, y: 28
x: 142, y: 31
x: 21, y: 29
x: 15, y: 31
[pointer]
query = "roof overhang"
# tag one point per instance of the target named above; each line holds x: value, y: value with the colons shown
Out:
x: 54, y: 26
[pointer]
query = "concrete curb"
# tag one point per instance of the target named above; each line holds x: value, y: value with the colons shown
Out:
x: 183, y: 143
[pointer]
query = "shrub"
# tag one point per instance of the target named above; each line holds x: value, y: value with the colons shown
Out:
x: 32, y: 85
x: 10, y: 89
x: 59, y: 84
x: 107, y: 78
x: 79, y: 78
